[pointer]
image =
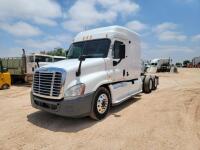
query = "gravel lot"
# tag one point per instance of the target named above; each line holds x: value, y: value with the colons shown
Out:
x: 168, y: 118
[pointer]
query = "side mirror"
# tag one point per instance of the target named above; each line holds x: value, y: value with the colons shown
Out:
x: 122, y: 51
x: 37, y: 61
x: 82, y: 58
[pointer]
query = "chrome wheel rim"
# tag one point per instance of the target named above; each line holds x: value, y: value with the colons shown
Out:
x: 102, y: 103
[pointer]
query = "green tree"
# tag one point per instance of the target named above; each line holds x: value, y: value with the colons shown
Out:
x: 186, y: 63
x: 57, y: 52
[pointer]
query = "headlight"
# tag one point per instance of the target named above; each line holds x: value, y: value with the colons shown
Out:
x: 75, y: 90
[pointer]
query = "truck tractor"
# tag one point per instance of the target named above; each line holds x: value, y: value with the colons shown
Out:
x: 102, y: 69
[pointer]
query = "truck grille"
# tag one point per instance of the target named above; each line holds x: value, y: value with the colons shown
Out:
x: 47, y: 84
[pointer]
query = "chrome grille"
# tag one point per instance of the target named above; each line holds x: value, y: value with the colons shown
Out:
x: 47, y: 84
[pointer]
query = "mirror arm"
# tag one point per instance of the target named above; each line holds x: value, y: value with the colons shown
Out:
x: 81, y: 58
x: 78, y: 72
x: 38, y: 64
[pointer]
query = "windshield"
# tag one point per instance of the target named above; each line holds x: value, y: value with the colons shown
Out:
x: 92, y: 49
x: 154, y: 64
x: 43, y: 58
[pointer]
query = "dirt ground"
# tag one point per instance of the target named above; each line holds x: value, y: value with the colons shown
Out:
x: 168, y: 118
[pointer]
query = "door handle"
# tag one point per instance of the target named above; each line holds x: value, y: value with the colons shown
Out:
x: 124, y: 71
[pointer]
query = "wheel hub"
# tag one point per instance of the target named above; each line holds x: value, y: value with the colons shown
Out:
x: 102, y: 103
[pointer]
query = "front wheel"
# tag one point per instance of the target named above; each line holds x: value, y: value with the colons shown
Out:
x: 101, y: 104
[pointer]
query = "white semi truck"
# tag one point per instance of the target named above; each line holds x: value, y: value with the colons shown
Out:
x: 161, y: 64
x: 103, y: 69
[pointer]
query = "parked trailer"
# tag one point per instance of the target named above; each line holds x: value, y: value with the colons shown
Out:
x: 103, y: 69
x: 23, y: 68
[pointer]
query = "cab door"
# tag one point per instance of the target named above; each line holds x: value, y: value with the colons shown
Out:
x: 30, y: 64
x: 123, y: 86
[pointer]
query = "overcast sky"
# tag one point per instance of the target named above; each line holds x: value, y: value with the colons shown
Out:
x: 168, y: 28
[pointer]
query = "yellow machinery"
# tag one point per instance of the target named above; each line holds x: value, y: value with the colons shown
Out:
x: 5, y: 79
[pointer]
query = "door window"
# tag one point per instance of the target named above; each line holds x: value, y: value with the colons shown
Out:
x: 116, y: 50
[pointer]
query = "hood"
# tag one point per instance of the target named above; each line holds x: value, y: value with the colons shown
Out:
x: 72, y: 64
x: 44, y: 63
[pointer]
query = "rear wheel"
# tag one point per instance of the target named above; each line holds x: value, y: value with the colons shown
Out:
x: 147, y: 84
x: 155, y: 82
x: 101, y: 104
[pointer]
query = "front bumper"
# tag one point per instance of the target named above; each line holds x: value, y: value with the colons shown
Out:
x: 73, y: 107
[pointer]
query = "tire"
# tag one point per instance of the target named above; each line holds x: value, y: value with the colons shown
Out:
x: 147, y: 84
x: 5, y: 86
x: 155, y: 82
x: 101, y: 104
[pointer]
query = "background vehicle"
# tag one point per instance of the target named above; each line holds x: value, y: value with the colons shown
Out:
x: 5, y: 80
x: 41, y: 59
x: 178, y: 64
x: 103, y: 69
x: 160, y: 65
x: 58, y: 58
x: 196, y: 62
x: 186, y: 63
x: 22, y: 68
